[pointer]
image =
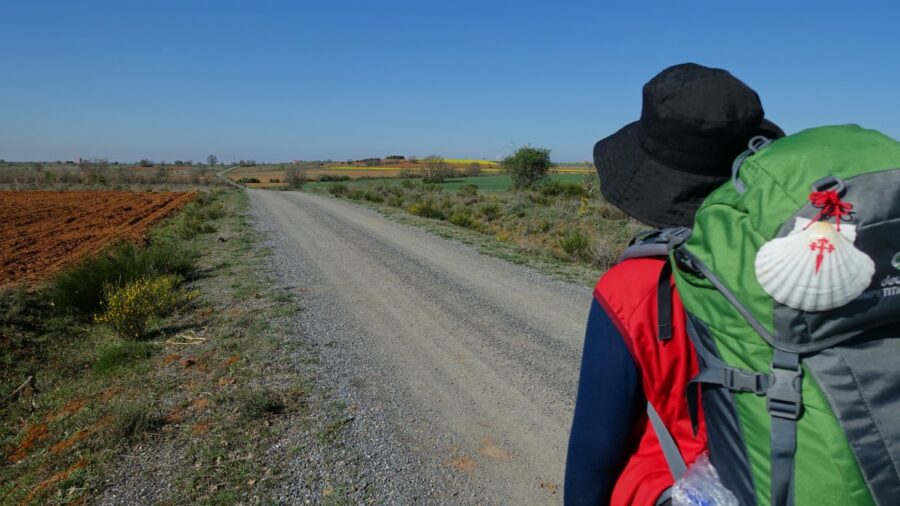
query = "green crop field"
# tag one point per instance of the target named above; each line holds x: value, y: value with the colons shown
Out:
x: 484, y: 183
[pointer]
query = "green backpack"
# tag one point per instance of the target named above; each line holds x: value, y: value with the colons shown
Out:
x: 791, y: 282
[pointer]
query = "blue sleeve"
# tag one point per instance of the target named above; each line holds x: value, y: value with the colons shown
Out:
x: 608, y: 404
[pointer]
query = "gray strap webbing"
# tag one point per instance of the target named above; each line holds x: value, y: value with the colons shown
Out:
x: 732, y: 378
x: 785, y: 404
x: 755, y: 144
x: 659, y: 249
x: 655, y: 243
x: 784, y: 445
x: 670, y: 450
x: 665, y: 498
x: 737, y: 304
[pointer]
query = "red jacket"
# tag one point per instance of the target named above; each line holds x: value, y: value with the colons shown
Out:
x: 628, y: 293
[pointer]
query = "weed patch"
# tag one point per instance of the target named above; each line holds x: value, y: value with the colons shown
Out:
x: 123, y: 354
x: 260, y: 403
x: 426, y: 209
x: 332, y: 431
x: 133, y: 420
x: 576, y: 245
x: 462, y: 220
x: 79, y: 291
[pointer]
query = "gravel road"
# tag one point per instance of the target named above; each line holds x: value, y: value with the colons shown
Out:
x: 459, y: 369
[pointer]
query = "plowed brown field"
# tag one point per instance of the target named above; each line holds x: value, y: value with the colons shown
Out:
x: 42, y: 232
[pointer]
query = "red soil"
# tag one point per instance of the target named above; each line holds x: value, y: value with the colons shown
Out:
x: 41, y: 487
x: 33, y: 434
x: 65, y: 444
x: 43, y: 232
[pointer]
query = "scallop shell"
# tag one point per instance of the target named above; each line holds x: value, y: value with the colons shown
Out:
x: 815, y: 267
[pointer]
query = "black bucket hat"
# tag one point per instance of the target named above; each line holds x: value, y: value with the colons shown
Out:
x: 695, y: 120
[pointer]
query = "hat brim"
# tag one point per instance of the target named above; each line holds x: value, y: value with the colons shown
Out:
x: 649, y: 190
x: 644, y: 188
x: 770, y: 129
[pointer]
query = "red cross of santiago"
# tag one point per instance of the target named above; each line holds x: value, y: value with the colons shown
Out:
x: 823, y: 245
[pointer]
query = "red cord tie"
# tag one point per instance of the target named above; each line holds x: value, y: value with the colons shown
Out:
x: 831, y: 206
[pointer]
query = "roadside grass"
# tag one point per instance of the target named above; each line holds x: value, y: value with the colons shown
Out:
x: 562, y: 227
x: 78, y: 292
x: 207, y: 397
x: 500, y: 182
x: 114, y: 356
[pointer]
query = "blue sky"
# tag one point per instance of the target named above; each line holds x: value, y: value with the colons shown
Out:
x: 274, y: 81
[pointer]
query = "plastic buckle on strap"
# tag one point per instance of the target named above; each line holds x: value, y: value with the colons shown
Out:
x: 738, y: 380
x: 674, y: 237
x: 783, y: 397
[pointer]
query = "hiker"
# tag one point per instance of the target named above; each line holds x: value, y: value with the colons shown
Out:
x: 637, y: 359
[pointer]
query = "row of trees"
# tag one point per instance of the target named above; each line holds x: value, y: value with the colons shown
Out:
x: 211, y: 160
x: 436, y: 170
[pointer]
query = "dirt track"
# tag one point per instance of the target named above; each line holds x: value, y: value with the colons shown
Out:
x: 43, y: 231
x: 459, y: 369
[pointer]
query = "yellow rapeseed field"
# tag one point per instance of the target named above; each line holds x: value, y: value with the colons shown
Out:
x: 463, y: 161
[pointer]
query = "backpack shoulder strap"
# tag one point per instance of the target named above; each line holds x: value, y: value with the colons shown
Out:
x: 659, y: 243
x: 669, y: 448
x: 655, y: 243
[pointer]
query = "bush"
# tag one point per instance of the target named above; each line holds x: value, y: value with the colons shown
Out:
x: 590, y: 185
x: 606, y: 252
x: 327, y: 178
x: 468, y: 190
x: 426, y: 210
x: 490, y: 211
x: 128, y: 310
x: 462, y: 220
x: 356, y: 194
x: 79, y: 291
x: 528, y: 166
x: 406, y: 183
x: 245, y: 180
x: 560, y: 188
x: 371, y: 196
x: 337, y: 189
x: 195, y: 222
x: 576, y: 245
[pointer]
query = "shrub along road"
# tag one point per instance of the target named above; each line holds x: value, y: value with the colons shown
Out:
x: 458, y: 370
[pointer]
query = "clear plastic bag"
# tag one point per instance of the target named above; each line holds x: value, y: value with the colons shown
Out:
x: 700, y: 486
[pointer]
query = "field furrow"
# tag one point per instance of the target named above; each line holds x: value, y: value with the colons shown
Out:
x: 43, y: 232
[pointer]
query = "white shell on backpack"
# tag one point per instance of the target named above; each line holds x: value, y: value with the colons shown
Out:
x: 815, y: 267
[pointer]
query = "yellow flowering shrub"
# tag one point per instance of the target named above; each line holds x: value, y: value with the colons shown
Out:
x: 128, y: 309
x: 584, y: 207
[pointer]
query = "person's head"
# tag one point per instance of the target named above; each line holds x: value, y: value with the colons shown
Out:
x: 694, y: 122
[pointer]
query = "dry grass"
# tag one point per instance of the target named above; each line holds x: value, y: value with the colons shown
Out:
x: 103, y: 175
x: 566, y: 221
